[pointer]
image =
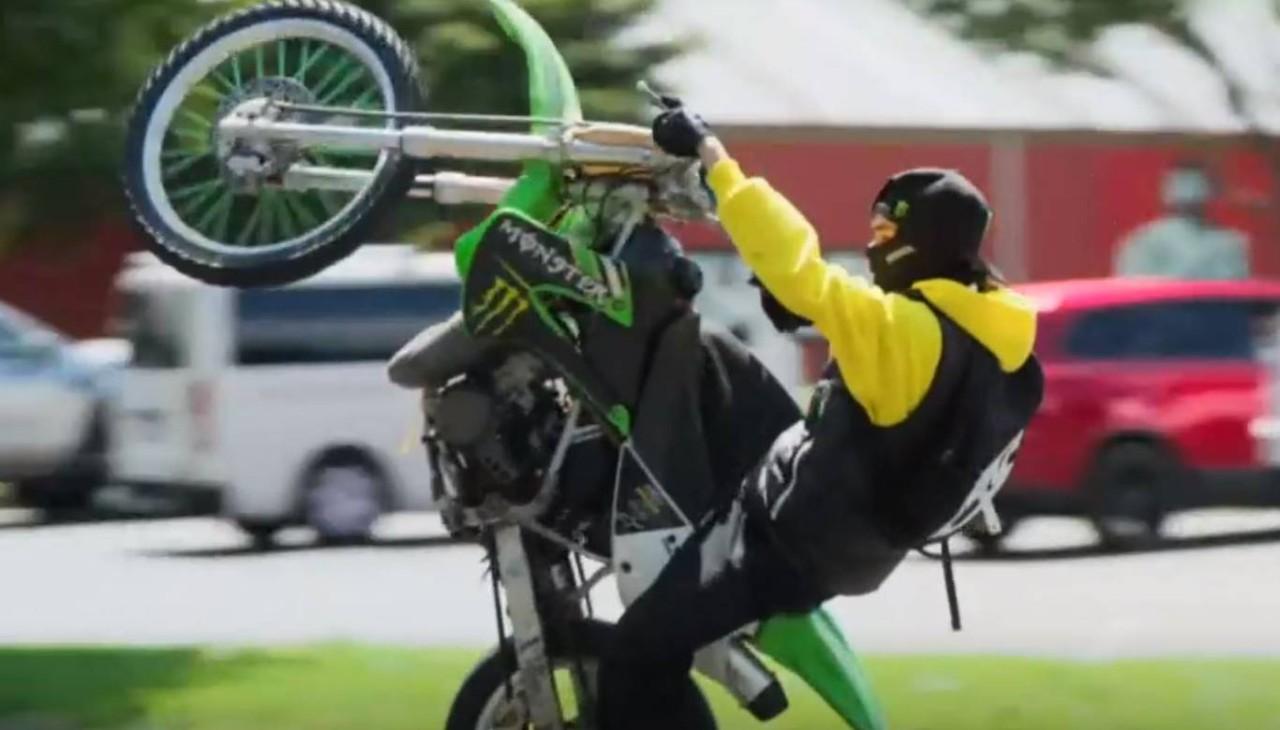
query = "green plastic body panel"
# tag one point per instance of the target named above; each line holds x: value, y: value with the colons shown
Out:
x: 553, y: 95
x: 813, y: 647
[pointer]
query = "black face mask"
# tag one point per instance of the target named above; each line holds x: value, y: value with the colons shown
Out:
x: 895, y: 265
x: 941, y: 220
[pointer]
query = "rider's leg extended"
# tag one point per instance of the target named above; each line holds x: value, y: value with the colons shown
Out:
x: 810, y: 468
x: 643, y: 677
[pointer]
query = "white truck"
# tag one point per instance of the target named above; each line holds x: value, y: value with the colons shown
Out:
x: 272, y: 406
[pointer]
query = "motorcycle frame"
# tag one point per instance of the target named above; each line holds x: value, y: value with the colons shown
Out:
x: 562, y: 145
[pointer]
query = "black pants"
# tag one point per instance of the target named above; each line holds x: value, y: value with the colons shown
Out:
x: 643, y: 681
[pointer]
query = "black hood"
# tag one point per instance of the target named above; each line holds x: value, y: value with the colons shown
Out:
x: 942, y: 219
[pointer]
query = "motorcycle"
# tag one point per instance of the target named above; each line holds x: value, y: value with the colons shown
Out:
x: 261, y: 151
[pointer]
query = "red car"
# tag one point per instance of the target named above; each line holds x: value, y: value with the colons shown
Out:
x: 1156, y: 400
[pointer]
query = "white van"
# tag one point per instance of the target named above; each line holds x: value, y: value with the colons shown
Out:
x: 272, y: 405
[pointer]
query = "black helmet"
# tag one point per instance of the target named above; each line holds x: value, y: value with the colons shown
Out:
x: 942, y: 219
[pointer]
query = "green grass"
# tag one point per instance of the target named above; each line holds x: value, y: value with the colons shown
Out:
x: 399, y: 689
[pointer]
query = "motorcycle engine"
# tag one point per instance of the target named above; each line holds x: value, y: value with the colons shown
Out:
x: 499, y: 429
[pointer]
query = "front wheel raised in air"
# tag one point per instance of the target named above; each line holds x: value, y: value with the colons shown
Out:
x: 218, y: 209
x: 490, y: 697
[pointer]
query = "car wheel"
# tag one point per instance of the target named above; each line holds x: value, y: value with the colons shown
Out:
x: 1128, y: 494
x: 343, y: 498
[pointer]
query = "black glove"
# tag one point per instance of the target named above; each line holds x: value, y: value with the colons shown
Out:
x: 679, y: 132
x: 782, y: 318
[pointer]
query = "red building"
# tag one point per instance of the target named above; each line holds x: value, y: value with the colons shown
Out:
x: 1063, y: 200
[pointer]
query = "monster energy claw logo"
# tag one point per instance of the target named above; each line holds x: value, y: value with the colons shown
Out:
x: 553, y: 261
x: 499, y: 308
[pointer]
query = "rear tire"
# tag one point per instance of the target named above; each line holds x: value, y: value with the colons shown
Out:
x: 484, y: 689
x: 202, y: 254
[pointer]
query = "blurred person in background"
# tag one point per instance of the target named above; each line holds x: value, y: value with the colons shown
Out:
x: 1183, y: 243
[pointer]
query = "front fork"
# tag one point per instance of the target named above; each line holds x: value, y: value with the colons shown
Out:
x: 727, y: 662
x: 535, y: 675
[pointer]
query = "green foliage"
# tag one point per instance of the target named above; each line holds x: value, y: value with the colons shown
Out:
x: 469, y: 65
x: 68, y: 70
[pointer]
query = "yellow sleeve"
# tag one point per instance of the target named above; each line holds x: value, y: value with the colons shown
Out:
x: 886, y: 346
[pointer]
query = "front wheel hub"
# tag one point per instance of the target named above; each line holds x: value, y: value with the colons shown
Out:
x: 248, y: 163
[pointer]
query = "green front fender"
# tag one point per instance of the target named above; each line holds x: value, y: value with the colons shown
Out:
x: 552, y: 95
x: 813, y: 647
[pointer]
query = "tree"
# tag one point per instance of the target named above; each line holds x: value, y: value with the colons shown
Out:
x: 1064, y: 33
x: 469, y: 65
x: 70, y: 69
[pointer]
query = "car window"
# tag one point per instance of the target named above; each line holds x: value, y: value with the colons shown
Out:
x: 336, y: 324
x: 1196, y: 330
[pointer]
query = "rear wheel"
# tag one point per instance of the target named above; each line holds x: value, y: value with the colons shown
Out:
x: 216, y: 208
x: 484, y: 703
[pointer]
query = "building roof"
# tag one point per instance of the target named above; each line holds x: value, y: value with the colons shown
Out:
x: 877, y: 63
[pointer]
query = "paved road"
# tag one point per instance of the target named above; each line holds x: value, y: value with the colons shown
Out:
x: 194, y: 581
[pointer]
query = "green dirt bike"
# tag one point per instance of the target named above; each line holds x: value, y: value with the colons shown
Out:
x: 259, y: 153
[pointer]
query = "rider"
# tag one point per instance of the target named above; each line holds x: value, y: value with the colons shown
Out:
x: 910, y: 433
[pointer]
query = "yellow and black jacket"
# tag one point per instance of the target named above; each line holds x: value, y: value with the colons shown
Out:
x: 927, y: 388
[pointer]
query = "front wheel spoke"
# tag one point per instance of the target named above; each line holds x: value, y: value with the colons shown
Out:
x: 299, y: 207
x: 193, y: 135
x: 230, y: 86
x: 219, y: 208
x: 208, y: 91
x: 268, y: 217
x: 203, y: 124
x: 326, y: 197
x: 282, y: 57
x: 224, y: 220
x: 307, y: 63
x: 343, y: 85
x: 364, y: 101
x: 194, y: 204
x: 286, y: 226
x: 338, y: 68
x: 250, y: 224
x: 186, y: 161
x: 194, y: 189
